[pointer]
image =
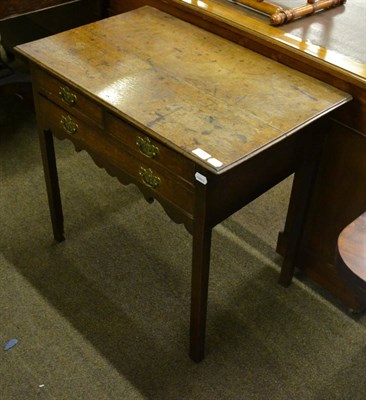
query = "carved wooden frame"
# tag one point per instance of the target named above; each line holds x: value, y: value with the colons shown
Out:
x: 279, y: 15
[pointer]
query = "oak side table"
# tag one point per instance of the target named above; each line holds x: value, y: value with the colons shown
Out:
x: 200, y: 124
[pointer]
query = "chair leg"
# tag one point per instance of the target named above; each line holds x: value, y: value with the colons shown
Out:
x: 3, y: 55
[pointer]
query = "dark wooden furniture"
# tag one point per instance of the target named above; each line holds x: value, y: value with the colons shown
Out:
x: 195, y: 121
x: 331, y: 47
x: 14, y: 83
x: 26, y: 20
x: 351, y: 260
x: 32, y: 19
x: 13, y: 8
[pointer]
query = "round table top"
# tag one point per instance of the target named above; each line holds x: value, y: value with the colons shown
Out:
x: 352, y: 246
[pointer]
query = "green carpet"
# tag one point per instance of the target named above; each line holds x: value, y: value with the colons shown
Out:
x: 105, y: 314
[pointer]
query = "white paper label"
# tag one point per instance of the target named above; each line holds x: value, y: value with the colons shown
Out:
x: 215, y: 162
x: 201, y: 154
x: 201, y: 178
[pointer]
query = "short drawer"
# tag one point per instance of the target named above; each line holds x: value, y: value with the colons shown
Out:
x: 67, y: 97
x: 113, y: 156
x: 145, y: 148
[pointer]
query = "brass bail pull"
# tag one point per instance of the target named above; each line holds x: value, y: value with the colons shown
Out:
x: 146, y: 147
x: 69, y: 125
x: 148, y: 178
x: 67, y: 96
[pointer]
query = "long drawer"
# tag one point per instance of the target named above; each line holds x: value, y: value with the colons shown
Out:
x: 162, y: 182
x: 68, y: 97
x: 144, y: 147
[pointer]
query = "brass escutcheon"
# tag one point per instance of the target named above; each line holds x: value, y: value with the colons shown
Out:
x: 66, y: 96
x: 146, y: 147
x: 148, y: 178
x: 69, y: 125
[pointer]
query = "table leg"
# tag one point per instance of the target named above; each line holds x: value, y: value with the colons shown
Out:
x: 304, y: 180
x: 53, y: 189
x: 200, y: 275
x: 199, y: 291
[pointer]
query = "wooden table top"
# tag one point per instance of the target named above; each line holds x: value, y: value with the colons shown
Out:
x: 187, y: 87
x: 336, y: 37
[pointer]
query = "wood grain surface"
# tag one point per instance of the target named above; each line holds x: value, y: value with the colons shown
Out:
x: 330, y: 47
x: 191, y: 88
x: 336, y: 37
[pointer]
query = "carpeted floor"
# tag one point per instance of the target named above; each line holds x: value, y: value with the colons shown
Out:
x: 105, y: 314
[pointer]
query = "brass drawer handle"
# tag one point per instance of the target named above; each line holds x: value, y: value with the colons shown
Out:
x: 146, y: 147
x: 67, y: 97
x: 148, y: 178
x: 69, y: 125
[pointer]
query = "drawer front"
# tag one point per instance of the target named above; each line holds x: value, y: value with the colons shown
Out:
x: 67, y: 97
x: 146, y: 148
x: 113, y: 156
